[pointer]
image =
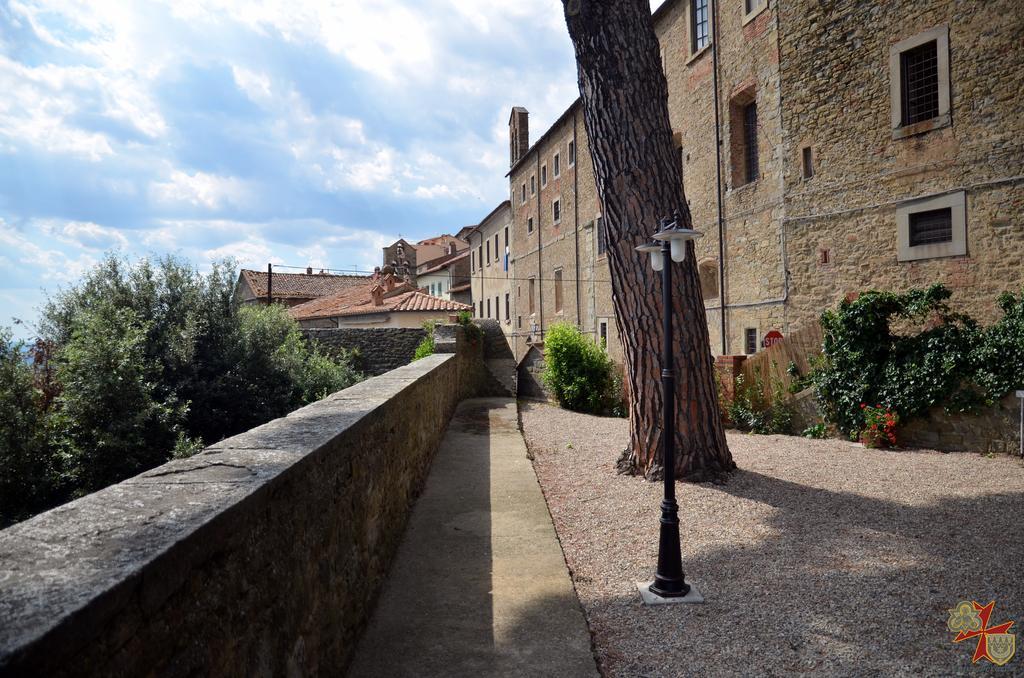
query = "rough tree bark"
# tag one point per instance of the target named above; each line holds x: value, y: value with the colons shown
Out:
x: 639, y: 182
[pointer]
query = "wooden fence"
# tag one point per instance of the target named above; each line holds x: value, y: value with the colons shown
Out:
x: 800, y: 348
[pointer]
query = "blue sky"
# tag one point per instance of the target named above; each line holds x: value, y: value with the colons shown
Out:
x: 303, y: 133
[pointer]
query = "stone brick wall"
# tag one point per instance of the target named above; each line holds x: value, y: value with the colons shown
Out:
x: 380, y: 349
x: 260, y: 556
x: 838, y: 104
x: 995, y: 429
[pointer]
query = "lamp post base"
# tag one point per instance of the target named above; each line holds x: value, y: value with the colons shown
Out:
x: 693, y: 596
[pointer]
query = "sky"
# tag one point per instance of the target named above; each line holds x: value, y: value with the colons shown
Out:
x: 307, y: 133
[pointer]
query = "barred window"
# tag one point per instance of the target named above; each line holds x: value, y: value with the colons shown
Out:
x: 750, y: 341
x: 931, y: 227
x: 919, y: 81
x: 750, y: 140
x: 699, y: 25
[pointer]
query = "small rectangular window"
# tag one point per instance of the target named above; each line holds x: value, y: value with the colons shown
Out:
x: 931, y: 227
x: 519, y: 321
x: 750, y: 140
x: 529, y: 225
x: 533, y: 185
x: 472, y: 261
x: 497, y: 309
x: 480, y: 256
x: 750, y: 340
x: 808, y: 162
x: 543, y: 176
x: 480, y: 312
x: 919, y: 83
x: 532, y: 288
x: 507, y: 243
x: 602, y: 244
x: 572, y: 153
x: 556, y: 210
x: 497, y: 252
x: 558, y: 291
x: 508, y: 307
x: 488, y: 308
x: 602, y: 334
x: 556, y: 165
x: 523, y: 200
x: 700, y: 36
x: 488, y: 244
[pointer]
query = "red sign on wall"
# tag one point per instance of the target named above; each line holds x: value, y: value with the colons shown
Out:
x: 772, y: 338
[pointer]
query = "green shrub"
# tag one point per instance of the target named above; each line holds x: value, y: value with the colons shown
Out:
x: 426, y: 346
x: 753, y: 410
x: 473, y: 333
x: 817, y: 431
x: 577, y: 370
x: 952, y: 362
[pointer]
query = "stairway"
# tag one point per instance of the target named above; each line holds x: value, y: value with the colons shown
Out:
x: 498, y: 357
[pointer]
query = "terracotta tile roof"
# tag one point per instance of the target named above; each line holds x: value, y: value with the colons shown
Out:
x: 360, y: 302
x: 301, y: 285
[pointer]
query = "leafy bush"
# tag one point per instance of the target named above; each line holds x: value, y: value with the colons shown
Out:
x: 139, y: 363
x: 577, y: 370
x: 472, y: 331
x: 999, y: 356
x: 426, y: 346
x: 952, y: 362
x: 752, y: 410
x: 816, y: 431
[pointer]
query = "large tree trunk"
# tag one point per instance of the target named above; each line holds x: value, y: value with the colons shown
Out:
x: 625, y: 107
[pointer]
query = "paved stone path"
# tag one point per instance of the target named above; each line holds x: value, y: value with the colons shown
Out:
x: 479, y: 586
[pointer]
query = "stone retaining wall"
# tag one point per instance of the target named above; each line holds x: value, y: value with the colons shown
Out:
x: 260, y: 556
x: 995, y: 429
x: 380, y: 349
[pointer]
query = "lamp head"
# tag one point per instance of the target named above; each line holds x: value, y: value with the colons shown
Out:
x: 654, y: 249
x: 677, y: 237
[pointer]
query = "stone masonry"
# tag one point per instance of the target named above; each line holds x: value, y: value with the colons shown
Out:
x: 260, y: 556
x: 834, y: 183
x: 379, y: 350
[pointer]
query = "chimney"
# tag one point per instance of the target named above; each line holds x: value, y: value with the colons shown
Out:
x: 389, y: 283
x: 377, y: 294
x: 519, y: 134
x: 309, y: 270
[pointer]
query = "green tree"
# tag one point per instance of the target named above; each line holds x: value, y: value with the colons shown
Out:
x: 24, y: 464
x: 109, y: 422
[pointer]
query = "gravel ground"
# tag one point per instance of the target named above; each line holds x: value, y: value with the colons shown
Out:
x: 818, y: 556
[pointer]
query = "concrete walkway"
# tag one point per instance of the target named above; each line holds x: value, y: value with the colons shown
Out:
x: 479, y: 586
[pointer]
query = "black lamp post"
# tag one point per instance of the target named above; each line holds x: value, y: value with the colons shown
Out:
x: 669, y: 580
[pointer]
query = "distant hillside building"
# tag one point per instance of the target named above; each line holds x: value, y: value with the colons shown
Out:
x: 292, y: 289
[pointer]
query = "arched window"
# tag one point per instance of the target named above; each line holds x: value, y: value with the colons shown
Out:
x: 708, y: 270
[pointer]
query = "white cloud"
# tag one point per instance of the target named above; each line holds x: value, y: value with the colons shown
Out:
x: 85, y: 234
x: 48, y: 264
x: 200, y: 190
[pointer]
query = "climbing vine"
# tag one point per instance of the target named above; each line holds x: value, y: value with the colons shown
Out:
x: 950, y: 362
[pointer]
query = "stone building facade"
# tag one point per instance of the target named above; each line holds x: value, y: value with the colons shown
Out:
x: 806, y: 178
x: 903, y: 193
x: 489, y: 268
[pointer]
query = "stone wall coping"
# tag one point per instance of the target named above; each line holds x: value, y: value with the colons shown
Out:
x: 72, y: 567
